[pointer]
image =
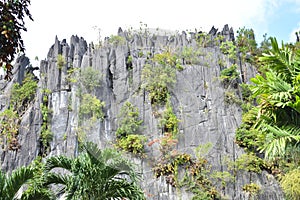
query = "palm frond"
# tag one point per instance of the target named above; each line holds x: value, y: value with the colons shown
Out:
x: 122, y: 189
x: 40, y: 194
x: 279, y: 60
x: 58, y: 162
x: 93, y: 151
x: 17, y: 178
x: 278, y: 139
x: 2, y: 182
x: 56, y: 178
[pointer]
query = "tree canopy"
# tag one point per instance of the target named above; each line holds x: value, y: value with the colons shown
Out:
x: 12, y: 15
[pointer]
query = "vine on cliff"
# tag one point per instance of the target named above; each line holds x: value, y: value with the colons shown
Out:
x: 46, y: 135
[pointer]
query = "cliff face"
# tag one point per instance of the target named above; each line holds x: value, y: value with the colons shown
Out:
x: 198, y: 99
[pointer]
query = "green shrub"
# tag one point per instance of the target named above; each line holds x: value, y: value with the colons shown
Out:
x: 46, y: 134
x: 203, y: 39
x: 116, y: 40
x: 231, y: 98
x: 71, y: 75
x: 90, y: 78
x: 246, y: 92
x: 91, y: 106
x: 249, y: 162
x: 169, y: 121
x: 129, y: 125
x: 290, y: 184
x: 61, y: 61
x: 157, y: 79
x: 171, y: 167
x: 190, y: 55
x: 229, y: 75
x: 222, y: 177
x: 167, y: 58
x: 129, y: 122
x: 129, y: 60
x: 251, y: 188
x: 245, y: 41
x: 246, y: 136
x: 229, y: 49
x: 132, y: 143
x: 22, y: 94
x: 9, y: 128
x: 159, y: 76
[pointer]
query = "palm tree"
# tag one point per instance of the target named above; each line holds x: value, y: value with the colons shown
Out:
x: 278, y: 96
x: 95, y: 174
x: 11, y: 184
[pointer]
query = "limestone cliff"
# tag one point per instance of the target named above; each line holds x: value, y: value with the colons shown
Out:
x: 198, y: 99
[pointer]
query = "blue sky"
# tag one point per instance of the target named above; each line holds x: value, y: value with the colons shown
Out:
x: 279, y: 18
x: 284, y: 21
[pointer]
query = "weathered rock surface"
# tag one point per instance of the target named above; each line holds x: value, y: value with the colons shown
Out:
x: 198, y: 100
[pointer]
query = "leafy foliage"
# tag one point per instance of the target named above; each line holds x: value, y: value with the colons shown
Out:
x: 129, y: 122
x: 204, y: 39
x: 132, y: 143
x: 91, y: 106
x: 46, y: 134
x: 10, y: 184
x: 169, y: 121
x: 116, y: 40
x: 231, y: 98
x: 265, y: 45
x: 159, y: 76
x: 273, y: 125
x: 229, y: 75
x: 61, y: 61
x: 90, y: 78
x: 246, y: 93
x: 22, y: 94
x: 229, y: 49
x: 182, y: 170
x: 290, y: 183
x: 9, y: 127
x: 129, y: 125
x: 247, y: 135
x: 96, y: 174
x: 190, y: 55
x: 249, y: 162
x: 38, y: 185
x: 246, y: 43
x: 222, y: 177
x: 12, y: 14
x: 251, y: 188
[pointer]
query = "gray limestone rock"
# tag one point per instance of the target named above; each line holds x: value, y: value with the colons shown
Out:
x: 198, y: 100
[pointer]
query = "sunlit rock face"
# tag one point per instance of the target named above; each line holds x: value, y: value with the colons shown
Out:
x: 198, y: 99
